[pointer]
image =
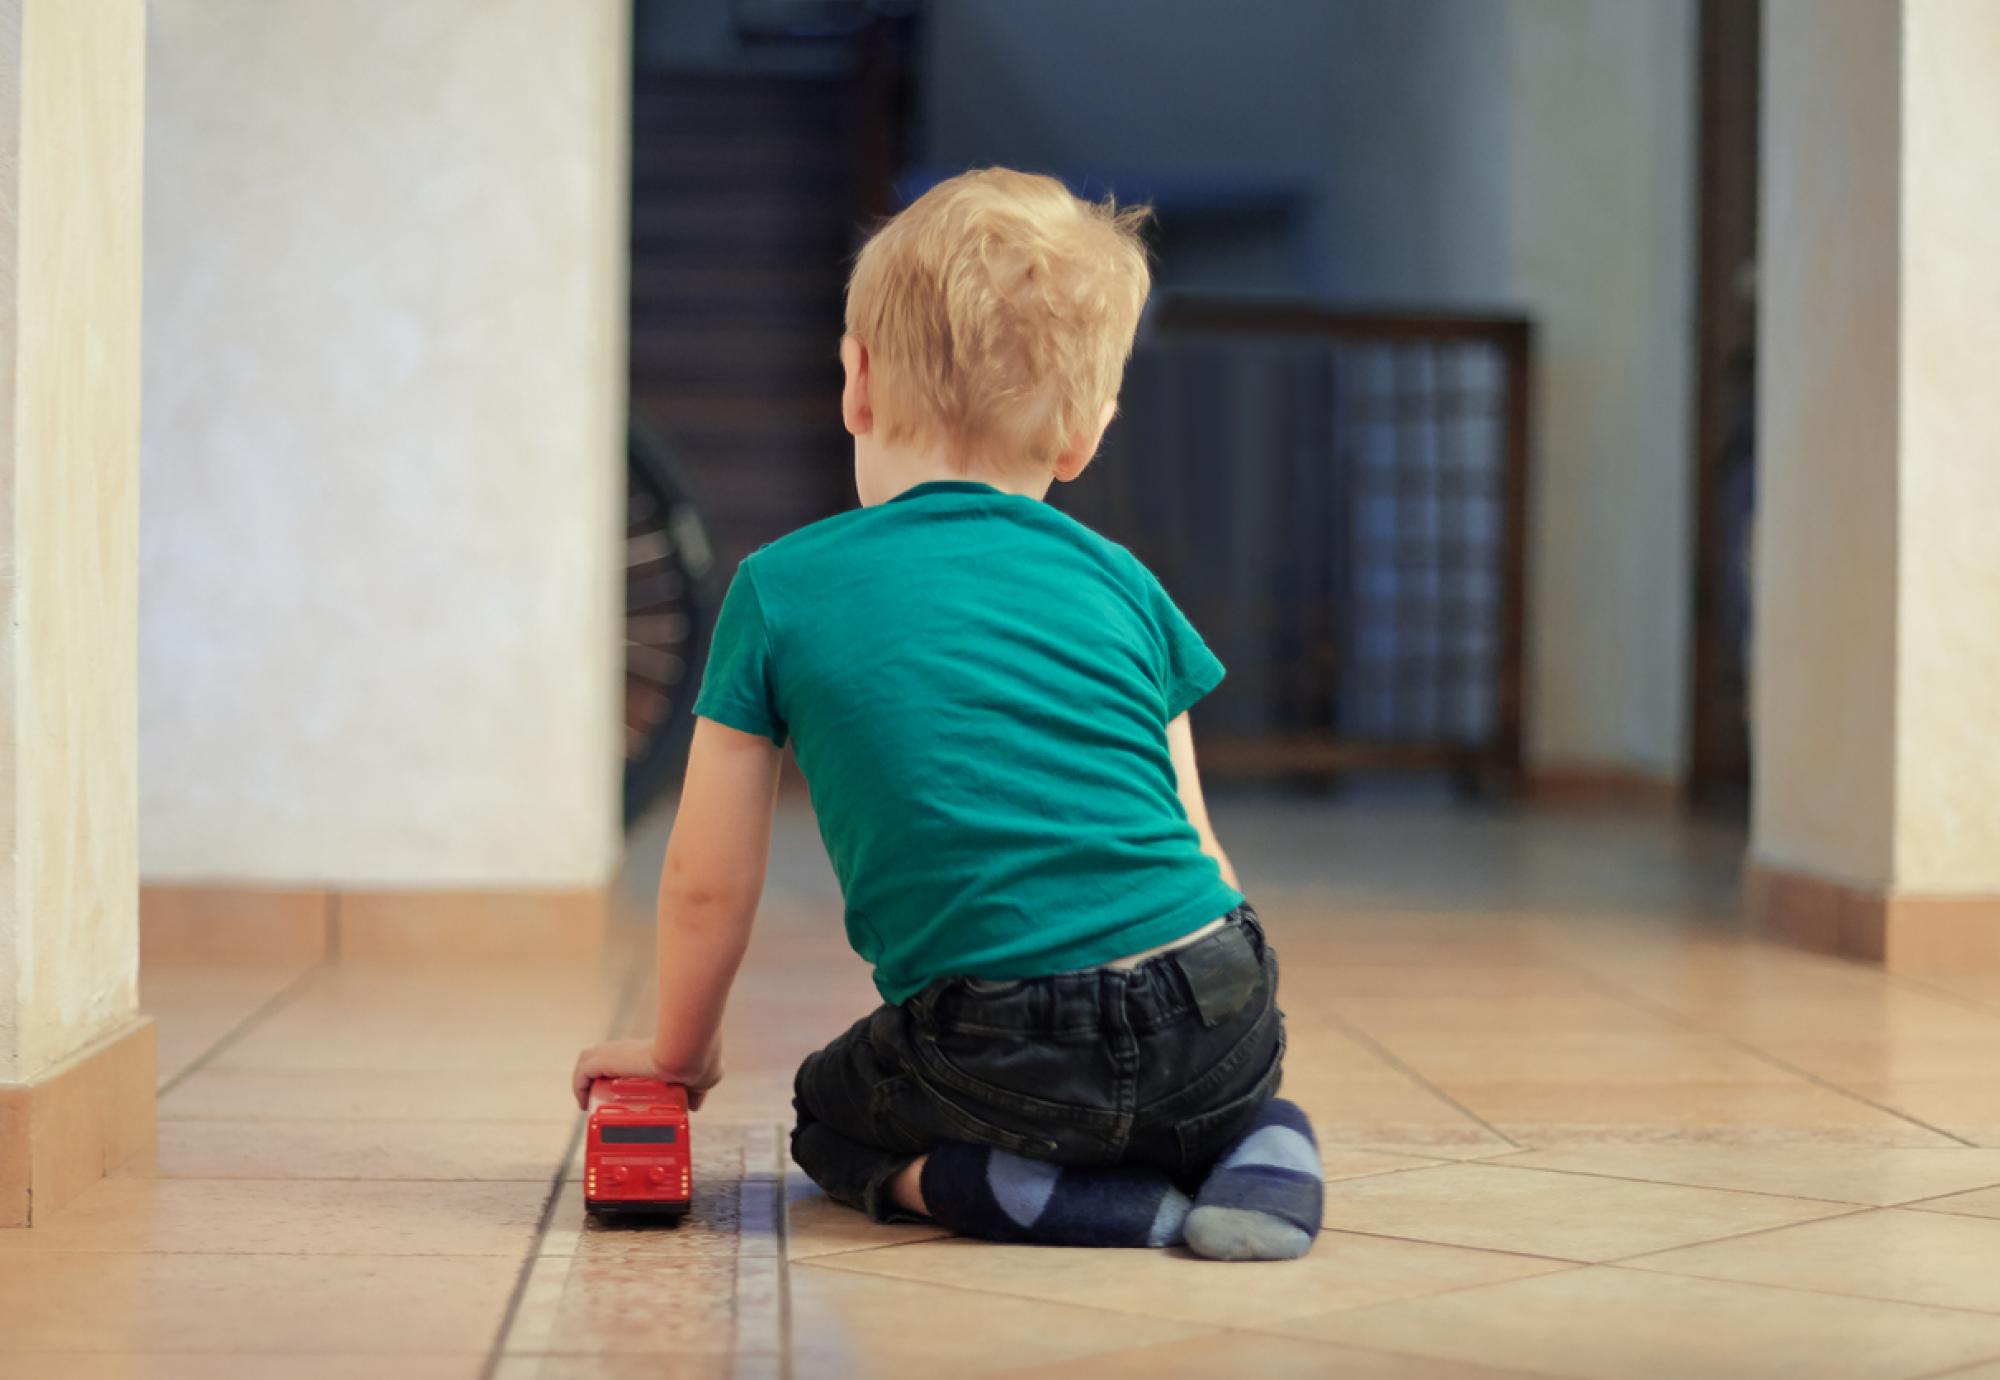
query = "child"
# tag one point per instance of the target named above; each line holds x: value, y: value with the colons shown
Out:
x: 989, y: 703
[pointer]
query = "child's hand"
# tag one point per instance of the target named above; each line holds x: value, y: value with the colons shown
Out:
x: 635, y: 1059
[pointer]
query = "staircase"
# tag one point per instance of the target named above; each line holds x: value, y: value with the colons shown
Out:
x: 751, y: 189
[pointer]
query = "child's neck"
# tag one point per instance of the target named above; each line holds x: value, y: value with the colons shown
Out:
x: 893, y: 471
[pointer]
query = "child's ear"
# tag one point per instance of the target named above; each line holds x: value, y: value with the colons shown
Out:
x: 857, y: 409
x: 1078, y: 454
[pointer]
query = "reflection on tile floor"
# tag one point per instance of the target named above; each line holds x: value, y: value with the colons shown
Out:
x: 1574, y: 1124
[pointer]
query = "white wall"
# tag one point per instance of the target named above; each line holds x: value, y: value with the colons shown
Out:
x: 383, y: 439
x: 1601, y: 221
x: 1527, y: 154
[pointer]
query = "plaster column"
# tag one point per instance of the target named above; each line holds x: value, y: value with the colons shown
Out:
x: 76, y: 1059
x: 1876, y: 826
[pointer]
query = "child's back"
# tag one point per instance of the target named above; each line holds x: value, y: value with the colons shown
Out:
x: 977, y: 688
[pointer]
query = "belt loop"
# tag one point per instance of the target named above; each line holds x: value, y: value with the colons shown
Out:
x: 923, y: 1006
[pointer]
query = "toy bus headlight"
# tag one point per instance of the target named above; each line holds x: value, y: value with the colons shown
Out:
x: 619, y: 1174
x: 657, y: 1174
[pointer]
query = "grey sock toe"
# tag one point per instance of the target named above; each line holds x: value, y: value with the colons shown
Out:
x: 1222, y: 1233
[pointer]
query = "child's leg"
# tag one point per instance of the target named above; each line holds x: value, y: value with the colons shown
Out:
x: 996, y: 1195
x: 876, y: 1138
x: 840, y: 1140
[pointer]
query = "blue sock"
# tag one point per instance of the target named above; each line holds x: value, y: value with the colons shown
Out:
x: 979, y: 1191
x: 1263, y: 1199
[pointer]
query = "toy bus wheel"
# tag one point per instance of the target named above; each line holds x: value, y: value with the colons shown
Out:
x: 635, y: 1214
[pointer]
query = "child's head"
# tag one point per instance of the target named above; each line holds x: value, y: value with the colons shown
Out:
x: 989, y: 324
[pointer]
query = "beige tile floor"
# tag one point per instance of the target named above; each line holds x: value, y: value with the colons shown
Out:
x: 1574, y: 1124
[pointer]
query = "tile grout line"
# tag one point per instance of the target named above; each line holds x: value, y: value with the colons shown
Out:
x: 1802, y: 1289
x: 878, y: 1246
x: 369, y: 1121
x: 351, y: 1178
x: 1501, y: 1162
x: 776, y: 1204
x: 1514, y: 1372
x: 1563, y: 1266
x: 1329, y: 1183
x: 496, y: 1352
x: 782, y: 1210
x: 533, y: 1257
x: 1389, y: 1057
x: 1626, y: 1261
x: 1913, y: 982
x: 270, y: 1007
x: 1917, y: 1204
x: 1668, y: 1014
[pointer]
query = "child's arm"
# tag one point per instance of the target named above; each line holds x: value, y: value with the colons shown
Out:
x: 709, y: 888
x: 1187, y: 780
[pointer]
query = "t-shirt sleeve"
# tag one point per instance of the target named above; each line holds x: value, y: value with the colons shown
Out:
x: 1188, y: 669
x: 738, y: 688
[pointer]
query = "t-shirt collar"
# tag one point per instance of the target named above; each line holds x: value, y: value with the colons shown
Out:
x: 944, y: 486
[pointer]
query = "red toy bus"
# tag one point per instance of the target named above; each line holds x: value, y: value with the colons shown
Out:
x: 636, y: 1156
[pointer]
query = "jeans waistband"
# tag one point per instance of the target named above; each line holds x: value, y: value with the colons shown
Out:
x: 1205, y: 976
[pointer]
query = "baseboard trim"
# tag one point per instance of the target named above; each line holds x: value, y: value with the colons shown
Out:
x: 229, y: 924
x: 233, y: 924
x: 1907, y: 932
x: 86, y: 1117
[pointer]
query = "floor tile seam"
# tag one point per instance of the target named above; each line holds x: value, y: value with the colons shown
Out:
x: 1919, y: 1203
x: 242, y: 1028
x: 1372, y: 1349
x: 331, y: 1179
x: 311, y: 1179
x: 1389, y: 1057
x: 1271, y: 1326
x: 1499, y: 1163
x: 44, y: 1252
x: 1613, y: 988
x: 977, y: 1291
x: 876, y: 1246
x: 368, y: 1120
x: 1639, y: 1269
x: 828, y: 1262
x: 531, y: 1259
x: 1913, y: 982
x: 1453, y: 1245
x: 1857, y: 1211
x: 466, y: 1354
x: 781, y: 1224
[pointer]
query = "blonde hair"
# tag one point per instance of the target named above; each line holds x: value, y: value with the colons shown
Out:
x: 998, y: 311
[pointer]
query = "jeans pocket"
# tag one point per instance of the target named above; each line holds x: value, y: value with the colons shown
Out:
x: 922, y: 1116
x: 1205, y: 1136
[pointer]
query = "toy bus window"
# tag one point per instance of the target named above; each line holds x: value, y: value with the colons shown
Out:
x: 637, y: 1135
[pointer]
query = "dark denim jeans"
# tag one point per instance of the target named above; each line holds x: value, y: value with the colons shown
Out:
x: 1163, y: 1064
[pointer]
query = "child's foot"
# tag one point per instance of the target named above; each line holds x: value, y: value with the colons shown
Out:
x: 1263, y: 1199
x: 979, y: 1191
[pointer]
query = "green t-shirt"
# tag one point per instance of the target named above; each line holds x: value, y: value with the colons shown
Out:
x: 978, y: 689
